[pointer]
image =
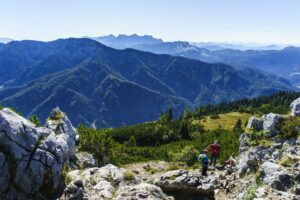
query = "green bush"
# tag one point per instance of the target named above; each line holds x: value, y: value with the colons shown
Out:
x: 289, y: 127
x: 188, y: 155
x: 286, y: 161
x: 250, y: 192
x: 34, y: 119
x: 128, y: 176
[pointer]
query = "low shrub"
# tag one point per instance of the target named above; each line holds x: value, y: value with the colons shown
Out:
x: 128, y: 176
x: 250, y: 192
x: 286, y: 161
x: 215, y: 116
x: 289, y: 127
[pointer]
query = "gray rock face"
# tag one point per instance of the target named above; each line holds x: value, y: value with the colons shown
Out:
x: 270, y: 123
x: 31, y: 159
x: 295, y: 107
x: 255, y: 123
x: 59, y: 123
x: 108, y: 183
x: 86, y: 160
x: 275, y: 176
x: 246, y: 163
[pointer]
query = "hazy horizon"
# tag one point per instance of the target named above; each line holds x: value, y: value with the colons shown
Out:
x: 259, y: 22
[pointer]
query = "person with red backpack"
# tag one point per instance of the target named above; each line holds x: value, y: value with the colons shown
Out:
x: 214, y: 152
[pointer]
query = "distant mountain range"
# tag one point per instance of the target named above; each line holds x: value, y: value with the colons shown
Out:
x: 99, y: 85
x: 5, y: 40
x: 126, y: 41
x: 281, y: 62
x: 237, y: 46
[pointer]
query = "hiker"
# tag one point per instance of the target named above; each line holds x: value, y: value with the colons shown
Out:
x: 214, y: 152
x: 203, y: 158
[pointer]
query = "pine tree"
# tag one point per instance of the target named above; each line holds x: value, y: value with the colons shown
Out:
x: 132, y: 141
x: 184, y: 131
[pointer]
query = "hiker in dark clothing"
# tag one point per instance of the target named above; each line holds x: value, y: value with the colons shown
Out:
x: 215, y: 152
x: 203, y: 158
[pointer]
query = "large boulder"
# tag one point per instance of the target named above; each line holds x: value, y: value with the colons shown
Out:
x: 184, y: 183
x: 270, y: 124
x: 31, y: 158
x: 86, y: 160
x: 59, y: 123
x: 275, y: 176
x: 295, y: 107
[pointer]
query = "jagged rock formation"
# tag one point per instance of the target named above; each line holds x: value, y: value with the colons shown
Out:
x: 277, y: 164
x: 32, y: 158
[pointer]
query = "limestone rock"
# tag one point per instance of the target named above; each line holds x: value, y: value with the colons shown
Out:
x: 75, y: 191
x: 86, y: 160
x: 274, y: 175
x: 295, y: 107
x: 270, y: 123
x: 141, y: 191
x: 31, y: 159
x: 59, y: 123
x: 255, y: 123
x: 246, y: 163
x: 187, y: 183
x: 108, y: 183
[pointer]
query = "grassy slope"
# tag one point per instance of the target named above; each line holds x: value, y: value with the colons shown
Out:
x: 225, y: 121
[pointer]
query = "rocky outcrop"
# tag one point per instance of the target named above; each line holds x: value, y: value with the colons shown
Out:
x: 108, y: 182
x: 267, y: 123
x: 59, y: 123
x: 275, y: 160
x: 295, y: 107
x: 32, y: 158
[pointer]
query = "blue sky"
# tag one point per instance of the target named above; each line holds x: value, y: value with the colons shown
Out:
x: 261, y: 21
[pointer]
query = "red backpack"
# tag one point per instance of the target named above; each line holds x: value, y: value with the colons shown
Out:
x: 215, y: 149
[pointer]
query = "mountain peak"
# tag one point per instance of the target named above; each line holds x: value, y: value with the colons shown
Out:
x: 123, y: 41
